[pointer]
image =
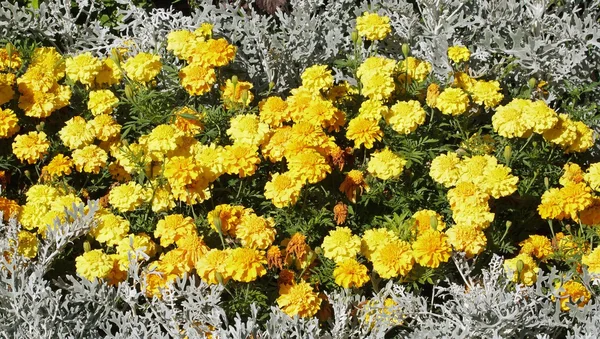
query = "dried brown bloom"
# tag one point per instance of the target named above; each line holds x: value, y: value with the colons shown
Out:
x: 286, y: 277
x: 296, y: 246
x: 353, y: 184
x: 274, y: 257
x: 340, y: 212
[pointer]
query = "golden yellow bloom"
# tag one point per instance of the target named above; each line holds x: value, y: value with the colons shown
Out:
x: 179, y: 42
x: 143, y: 67
x: 110, y: 229
x: 574, y: 292
x: 129, y: 245
x: 426, y: 220
x: 452, y: 101
x: 354, y: 184
x: 374, y: 239
x: 273, y: 111
x: 372, y: 109
x: 105, y: 127
x: 89, y: 159
x: 174, y: 227
x: 459, y: 53
x: 468, y: 239
x: 283, y: 189
x: 28, y: 244
x: 245, y: 264
x: 522, y: 269
x: 298, y: 299
x: 181, y: 171
x: 94, y: 264
x: 194, y: 247
x: 584, y: 140
x: 236, y: 95
x: 102, y: 101
x: 197, y: 79
x: 372, y: 26
x: 431, y: 249
x: 363, y: 131
x: 309, y: 166
x: 575, y: 198
x: 127, y: 197
x: 163, y: 139
x: 433, y: 92
x: 445, y: 169
x: 413, y: 69
x: 499, y: 182
x: 341, y: 244
x: 30, y: 147
x: 466, y: 195
x: 9, y: 61
x: 240, y: 159
x: 212, y: 52
x: 377, y: 86
x: 256, y: 232
x: 9, y: 123
x: 9, y: 209
x: 317, y: 78
x: 226, y: 217
x: 385, y: 164
x: 563, y: 133
x: 405, y: 116
x: 76, y: 133
x: 537, y: 246
x: 350, y: 273
x: 393, y: 259
x: 83, y: 68
x: 487, y: 93
x: 247, y: 129
x: 572, y: 174
x: 592, y: 261
x: 109, y: 74
x: 592, y: 176
x: 7, y: 81
x: 550, y: 207
x: 211, y: 267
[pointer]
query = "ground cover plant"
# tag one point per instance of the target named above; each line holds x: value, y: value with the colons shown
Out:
x: 231, y: 173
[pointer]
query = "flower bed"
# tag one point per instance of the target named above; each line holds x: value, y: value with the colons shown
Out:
x: 172, y: 192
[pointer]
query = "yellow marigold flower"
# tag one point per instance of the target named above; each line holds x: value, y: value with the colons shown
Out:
x: 174, y: 263
x: 413, y: 69
x: 42, y: 194
x: 353, y: 184
x: 365, y: 131
x: 9, y: 61
x: 210, y: 157
x: 426, y: 220
x: 76, y: 133
x: 550, y: 207
x: 212, y: 52
x: 377, y: 86
x: 445, y: 169
x: 30, y: 147
x: 9, y: 123
x: 487, y: 93
x: 109, y: 74
x: 197, y: 79
x: 463, y: 81
x: 162, y: 198
x: 9, y: 208
x: 57, y: 167
x: 204, y: 30
x: 584, y: 140
x: 499, y: 182
x: 574, y: 292
x: 393, y: 259
x: 464, y: 238
x: 508, y: 121
x: 245, y: 264
x: 452, y: 101
x: 28, y: 244
x: 405, y: 116
x: 374, y: 239
x: 174, y: 227
x: 238, y: 94
x: 459, y: 53
x: 102, y: 101
x: 474, y: 169
x: 575, y: 198
x: 592, y: 176
x: 132, y: 157
x: 477, y: 216
x: 318, y: 112
x: 94, y: 264
x: 110, y: 229
x: 247, y: 129
x: 350, y: 273
x: 372, y: 26
x: 194, y: 247
x: 283, y: 189
x: 537, y: 246
x: 227, y: 218
x: 256, y: 232
x: 105, y: 127
x: 538, y: 114
x: 385, y: 164
x: 341, y: 244
x: 522, y: 269
x: 211, y: 267
x: 372, y: 109
x: 273, y: 111
x: 240, y: 159
x: 298, y: 299
x: 188, y: 121
x: 376, y: 64
x: 592, y: 261
x: 572, y: 174
x: 127, y: 197
x: 83, y: 68
x: 466, y: 194
x: 309, y: 166
x: 129, y: 245
x: 317, y: 78
x: 563, y: 133
x: 7, y: 81
x: 178, y: 42
x: 164, y: 139
x: 431, y: 249
x: 181, y: 171
x: 433, y: 92
x: 143, y: 67
x: 89, y: 159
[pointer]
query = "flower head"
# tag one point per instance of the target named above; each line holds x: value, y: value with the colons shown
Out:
x: 298, y: 299
x: 385, y: 164
x: 341, y: 244
x: 245, y: 264
x: 373, y: 26
x: 350, y: 273
x: 431, y: 249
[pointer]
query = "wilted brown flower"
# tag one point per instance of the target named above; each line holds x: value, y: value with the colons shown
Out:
x: 286, y: 277
x: 352, y: 184
x: 274, y: 257
x: 296, y: 246
x: 340, y: 212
